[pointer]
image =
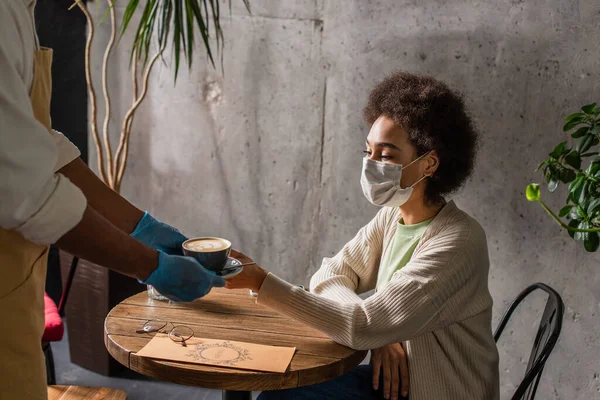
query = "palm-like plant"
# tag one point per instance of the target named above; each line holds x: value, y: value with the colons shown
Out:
x: 176, y: 20
x: 161, y: 22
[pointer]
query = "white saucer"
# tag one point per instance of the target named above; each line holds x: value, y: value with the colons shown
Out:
x: 232, y: 268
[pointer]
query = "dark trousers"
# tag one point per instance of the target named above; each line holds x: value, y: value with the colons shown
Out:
x: 355, y: 385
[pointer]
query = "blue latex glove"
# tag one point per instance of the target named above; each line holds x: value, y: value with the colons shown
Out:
x: 182, y: 278
x: 158, y: 235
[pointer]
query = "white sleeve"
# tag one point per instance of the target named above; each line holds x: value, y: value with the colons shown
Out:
x: 354, y: 269
x: 35, y: 201
x: 67, y: 151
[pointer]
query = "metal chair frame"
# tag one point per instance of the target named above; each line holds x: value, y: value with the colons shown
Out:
x: 545, y: 339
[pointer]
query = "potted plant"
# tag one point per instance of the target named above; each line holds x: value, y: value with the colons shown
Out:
x: 566, y: 165
x: 161, y: 22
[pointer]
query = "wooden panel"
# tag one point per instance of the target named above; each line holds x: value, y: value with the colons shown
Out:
x: 304, y: 345
x: 231, y: 321
x: 85, y: 311
x: 84, y: 393
x: 94, y: 292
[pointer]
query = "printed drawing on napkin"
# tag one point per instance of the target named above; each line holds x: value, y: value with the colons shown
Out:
x: 222, y: 353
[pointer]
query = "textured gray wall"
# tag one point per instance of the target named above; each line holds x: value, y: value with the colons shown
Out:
x: 268, y: 155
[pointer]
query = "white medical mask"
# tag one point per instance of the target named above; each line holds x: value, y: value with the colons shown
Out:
x: 380, y: 183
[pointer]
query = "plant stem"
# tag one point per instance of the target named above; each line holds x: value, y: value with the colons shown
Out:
x: 91, y: 91
x: 107, y: 111
x: 122, y: 152
x: 562, y: 224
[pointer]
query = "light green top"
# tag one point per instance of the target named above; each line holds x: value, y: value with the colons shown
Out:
x: 403, y: 245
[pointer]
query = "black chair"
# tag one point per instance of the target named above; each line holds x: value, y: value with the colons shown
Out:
x: 545, y: 339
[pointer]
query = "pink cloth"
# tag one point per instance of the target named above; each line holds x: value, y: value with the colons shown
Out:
x: 54, y: 329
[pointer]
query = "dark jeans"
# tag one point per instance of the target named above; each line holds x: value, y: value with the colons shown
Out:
x: 355, y: 385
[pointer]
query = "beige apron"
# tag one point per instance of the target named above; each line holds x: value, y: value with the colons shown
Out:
x: 22, y: 281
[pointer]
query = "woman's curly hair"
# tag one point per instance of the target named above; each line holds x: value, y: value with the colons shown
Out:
x: 435, y: 118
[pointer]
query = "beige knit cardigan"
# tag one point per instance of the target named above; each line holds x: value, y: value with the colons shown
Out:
x: 439, y: 304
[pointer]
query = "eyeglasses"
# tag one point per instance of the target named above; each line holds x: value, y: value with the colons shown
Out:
x: 177, y: 333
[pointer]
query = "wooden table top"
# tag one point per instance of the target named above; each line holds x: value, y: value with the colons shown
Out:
x: 226, y: 315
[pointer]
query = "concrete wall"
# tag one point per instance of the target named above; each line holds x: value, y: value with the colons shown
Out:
x: 268, y: 155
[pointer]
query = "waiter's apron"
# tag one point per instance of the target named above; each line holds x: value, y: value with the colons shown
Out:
x: 22, y: 281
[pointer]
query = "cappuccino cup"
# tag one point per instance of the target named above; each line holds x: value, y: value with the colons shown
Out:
x: 211, y: 252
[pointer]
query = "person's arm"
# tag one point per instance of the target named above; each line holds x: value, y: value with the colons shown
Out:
x: 121, y: 213
x: 399, y: 312
x: 102, y: 198
x: 177, y: 277
x: 96, y: 239
x: 408, y: 306
x: 354, y: 269
x: 34, y: 201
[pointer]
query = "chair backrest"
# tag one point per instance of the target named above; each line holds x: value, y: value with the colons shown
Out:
x: 545, y: 339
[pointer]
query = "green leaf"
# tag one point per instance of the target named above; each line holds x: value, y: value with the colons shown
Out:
x: 593, y: 167
x: 580, y: 132
x: 572, y: 124
x: 553, y: 184
x: 558, y: 150
x: 591, y: 241
x: 584, y: 192
x: 594, y: 204
x: 573, y: 159
x: 582, y: 225
x: 553, y: 172
x: 573, y: 214
x: 585, y: 143
x: 190, y: 30
x: 204, y: 30
x: 178, y: 34
x: 564, y: 211
x: 575, y: 186
x: 533, y: 192
x: 542, y: 164
x: 588, y: 109
x: 110, y: 6
x: 571, y: 117
x: 580, y: 212
x: 567, y: 175
x: 573, y: 224
x: 164, y: 23
x: 129, y: 11
x: 142, y: 41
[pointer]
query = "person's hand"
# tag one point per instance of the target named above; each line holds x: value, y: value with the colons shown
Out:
x: 158, y: 235
x: 182, y: 278
x: 392, y: 361
x: 244, y: 259
x: 251, y: 277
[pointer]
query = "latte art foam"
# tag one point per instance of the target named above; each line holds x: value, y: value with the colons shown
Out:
x: 207, y: 245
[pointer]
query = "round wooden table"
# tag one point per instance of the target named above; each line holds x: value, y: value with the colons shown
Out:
x: 226, y: 315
